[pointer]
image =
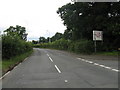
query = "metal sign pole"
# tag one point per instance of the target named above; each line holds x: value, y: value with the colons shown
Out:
x: 95, y: 45
x: 97, y: 35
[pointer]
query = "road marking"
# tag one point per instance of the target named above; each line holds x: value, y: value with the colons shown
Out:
x: 82, y: 60
x: 90, y: 62
x: 12, y: 69
x: 115, y: 70
x: 102, y: 66
x: 15, y: 67
x: 108, y: 67
x: 5, y: 74
x: 66, y: 81
x: 86, y: 60
x: 98, y: 64
x: 57, y: 69
x: 25, y: 59
x: 48, y: 55
x: 50, y: 59
x: 79, y: 58
x: 0, y: 78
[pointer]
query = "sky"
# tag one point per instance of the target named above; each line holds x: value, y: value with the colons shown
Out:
x: 38, y: 16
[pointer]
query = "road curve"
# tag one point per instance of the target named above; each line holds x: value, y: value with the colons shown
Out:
x: 47, y: 68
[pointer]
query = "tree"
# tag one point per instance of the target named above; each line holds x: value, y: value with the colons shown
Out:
x: 17, y: 31
x: 13, y: 44
x: 57, y: 36
x: 82, y: 18
x: 67, y: 34
x: 42, y: 40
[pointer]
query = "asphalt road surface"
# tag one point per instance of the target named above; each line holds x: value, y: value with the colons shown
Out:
x: 47, y: 68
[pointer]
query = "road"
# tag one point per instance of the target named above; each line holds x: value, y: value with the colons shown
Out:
x: 47, y: 68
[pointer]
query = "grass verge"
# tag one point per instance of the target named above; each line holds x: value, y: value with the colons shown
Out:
x: 9, y: 64
x: 114, y: 53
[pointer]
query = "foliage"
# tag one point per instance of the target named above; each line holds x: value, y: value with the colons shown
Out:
x: 13, y: 44
x: 84, y: 46
x: 42, y: 40
x: 17, y: 31
x: 82, y: 18
x: 81, y: 46
x: 57, y: 36
x: 34, y: 42
x: 10, y: 63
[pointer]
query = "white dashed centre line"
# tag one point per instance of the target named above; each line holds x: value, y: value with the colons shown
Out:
x: 50, y: 59
x: 55, y: 65
x: 48, y: 55
x: 66, y: 81
x: 57, y: 69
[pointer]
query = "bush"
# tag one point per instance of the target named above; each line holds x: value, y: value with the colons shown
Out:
x: 84, y: 46
x: 12, y: 46
x: 81, y: 46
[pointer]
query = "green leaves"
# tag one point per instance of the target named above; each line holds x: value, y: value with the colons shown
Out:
x: 13, y: 44
x: 16, y: 31
x: 82, y: 18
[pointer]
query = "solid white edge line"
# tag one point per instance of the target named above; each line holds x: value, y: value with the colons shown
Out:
x: 50, y: 59
x: 13, y: 68
x: 25, y: 59
x: 5, y: 75
x: 0, y: 78
x: 57, y: 69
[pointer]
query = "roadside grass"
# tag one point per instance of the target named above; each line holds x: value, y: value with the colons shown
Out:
x: 113, y: 53
x: 9, y: 64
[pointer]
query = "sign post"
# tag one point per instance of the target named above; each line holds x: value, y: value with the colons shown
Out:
x: 97, y: 36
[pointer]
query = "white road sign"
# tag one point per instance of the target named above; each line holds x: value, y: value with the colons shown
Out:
x: 97, y: 35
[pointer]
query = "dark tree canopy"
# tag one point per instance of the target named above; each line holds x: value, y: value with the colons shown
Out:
x: 57, y: 36
x: 17, y: 31
x: 82, y: 18
x: 42, y: 40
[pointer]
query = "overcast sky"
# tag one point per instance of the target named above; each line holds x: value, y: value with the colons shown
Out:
x: 38, y: 16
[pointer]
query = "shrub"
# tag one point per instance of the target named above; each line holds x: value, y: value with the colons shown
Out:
x: 12, y: 46
x: 84, y: 46
x: 81, y: 46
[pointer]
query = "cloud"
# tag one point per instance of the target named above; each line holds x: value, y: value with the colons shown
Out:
x: 36, y: 15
